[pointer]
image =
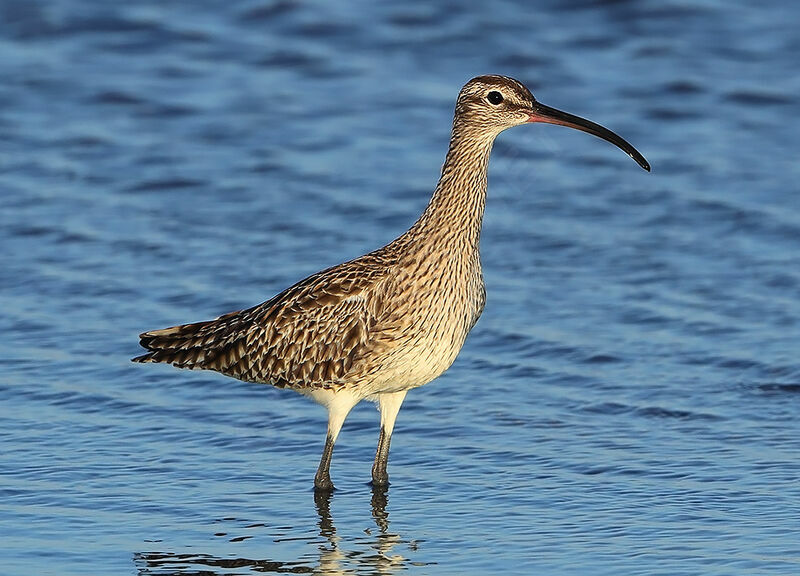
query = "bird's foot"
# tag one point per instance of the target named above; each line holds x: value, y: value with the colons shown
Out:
x: 380, y: 480
x: 323, y: 483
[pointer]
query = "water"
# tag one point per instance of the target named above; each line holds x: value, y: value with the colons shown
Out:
x: 628, y: 403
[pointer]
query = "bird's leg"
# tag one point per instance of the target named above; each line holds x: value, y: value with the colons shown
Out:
x: 322, y: 480
x: 339, y: 405
x: 380, y: 477
x: 389, y: 405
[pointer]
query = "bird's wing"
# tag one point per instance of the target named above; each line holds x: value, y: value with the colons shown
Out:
x: 309, y: 335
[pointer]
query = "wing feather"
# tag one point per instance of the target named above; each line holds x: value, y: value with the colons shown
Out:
x: 311, y: 335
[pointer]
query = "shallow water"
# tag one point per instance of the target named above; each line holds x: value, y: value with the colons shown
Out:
x: 628, y: 403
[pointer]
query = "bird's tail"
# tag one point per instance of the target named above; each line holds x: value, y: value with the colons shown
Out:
x: 193, y: 346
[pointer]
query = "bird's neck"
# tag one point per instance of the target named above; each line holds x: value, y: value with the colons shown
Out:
x: 454, y: 215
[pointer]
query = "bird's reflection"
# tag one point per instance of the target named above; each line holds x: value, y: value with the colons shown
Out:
x: 378, y: 556
x: 372, y: 554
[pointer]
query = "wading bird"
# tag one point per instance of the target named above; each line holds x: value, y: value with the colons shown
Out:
x: 391, y: 320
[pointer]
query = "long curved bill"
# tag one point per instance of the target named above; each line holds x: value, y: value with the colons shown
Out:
x: 542, y: 113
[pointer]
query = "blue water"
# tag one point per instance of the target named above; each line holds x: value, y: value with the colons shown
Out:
x: 629, y: 402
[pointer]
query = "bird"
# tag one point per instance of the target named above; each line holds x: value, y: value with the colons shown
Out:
x: 389, y: 321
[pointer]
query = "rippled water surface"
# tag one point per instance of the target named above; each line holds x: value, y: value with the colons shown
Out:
x: 629, y: 402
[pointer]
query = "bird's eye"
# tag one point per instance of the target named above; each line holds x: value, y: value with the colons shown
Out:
x: 494, y: 97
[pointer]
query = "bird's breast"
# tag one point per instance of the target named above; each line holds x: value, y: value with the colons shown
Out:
x: 435, y: 304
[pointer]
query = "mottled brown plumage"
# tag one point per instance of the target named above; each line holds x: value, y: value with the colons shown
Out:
x: 391, y: 320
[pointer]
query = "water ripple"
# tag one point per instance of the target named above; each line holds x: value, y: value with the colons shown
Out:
x: 627, y: 404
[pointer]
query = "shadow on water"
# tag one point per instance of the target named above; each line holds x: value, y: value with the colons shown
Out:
x: 372, y: 554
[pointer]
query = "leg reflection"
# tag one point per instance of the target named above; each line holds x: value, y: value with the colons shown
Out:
x: 380, y: 497
x: 331, y: 556
x: 322, y: 500
x: 371, y: 550
x: 385, y: 541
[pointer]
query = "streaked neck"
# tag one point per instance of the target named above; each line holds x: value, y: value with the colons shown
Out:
x: 455, y: 212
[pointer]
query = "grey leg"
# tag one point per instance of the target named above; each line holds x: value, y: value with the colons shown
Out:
x: 389, y: 405
x: 322, y: 481
x: 380, y: 477
x: 339, y: 404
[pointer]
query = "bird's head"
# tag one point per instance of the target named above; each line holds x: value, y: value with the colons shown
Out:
x: 487, y: 105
